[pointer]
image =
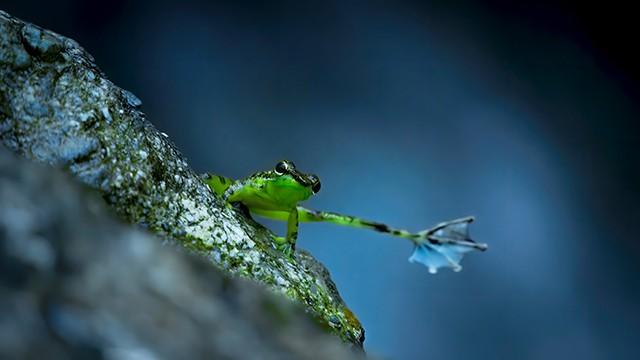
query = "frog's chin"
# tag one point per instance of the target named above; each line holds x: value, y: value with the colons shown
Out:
x: 291, y: 194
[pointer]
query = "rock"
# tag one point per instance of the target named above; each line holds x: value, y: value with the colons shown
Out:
x: 77, y: 283
x: 58, y: 108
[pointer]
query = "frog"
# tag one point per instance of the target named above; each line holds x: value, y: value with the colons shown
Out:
x: 277, y: 193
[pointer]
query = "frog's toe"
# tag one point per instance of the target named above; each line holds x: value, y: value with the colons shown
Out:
x: 435, y: 256
x: 281, y: 244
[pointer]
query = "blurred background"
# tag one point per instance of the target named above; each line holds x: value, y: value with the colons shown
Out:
x: 412, y: 113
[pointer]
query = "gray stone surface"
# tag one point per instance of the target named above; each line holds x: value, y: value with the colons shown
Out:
x: 75, y: 282
x: 57, y: 107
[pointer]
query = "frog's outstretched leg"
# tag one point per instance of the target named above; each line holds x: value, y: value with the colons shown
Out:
x: 443, y: 245
x: 452, y: 232
x: 307, y: 215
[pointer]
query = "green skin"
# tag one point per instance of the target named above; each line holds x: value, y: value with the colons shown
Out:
x: 276, y: 193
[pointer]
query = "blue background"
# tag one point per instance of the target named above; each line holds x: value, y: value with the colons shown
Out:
x: 413, y: 113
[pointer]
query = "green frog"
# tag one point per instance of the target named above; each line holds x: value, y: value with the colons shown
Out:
x: 277, y: 193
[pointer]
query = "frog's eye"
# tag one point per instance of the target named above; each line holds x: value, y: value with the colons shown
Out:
x: 282, y: 167
x: 315, y: 183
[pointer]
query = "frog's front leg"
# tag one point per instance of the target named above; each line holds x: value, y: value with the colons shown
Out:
x: 440, y: 246
x: 288, y: 244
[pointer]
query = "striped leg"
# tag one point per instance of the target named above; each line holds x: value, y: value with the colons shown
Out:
x: 442, y: 245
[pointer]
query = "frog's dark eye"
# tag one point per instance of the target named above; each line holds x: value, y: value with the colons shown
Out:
x: 282, y: 168
x: 314, y: 181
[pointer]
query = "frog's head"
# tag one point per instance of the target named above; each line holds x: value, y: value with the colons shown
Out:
x: 289, y: 185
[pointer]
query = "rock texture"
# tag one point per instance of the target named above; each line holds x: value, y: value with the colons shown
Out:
x: 77, y: 283
x: 57, y: 107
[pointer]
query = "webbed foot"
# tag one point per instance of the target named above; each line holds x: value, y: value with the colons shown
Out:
x: 445, y: 244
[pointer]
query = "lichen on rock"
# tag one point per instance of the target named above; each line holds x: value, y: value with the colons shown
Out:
x: 57, y: 107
